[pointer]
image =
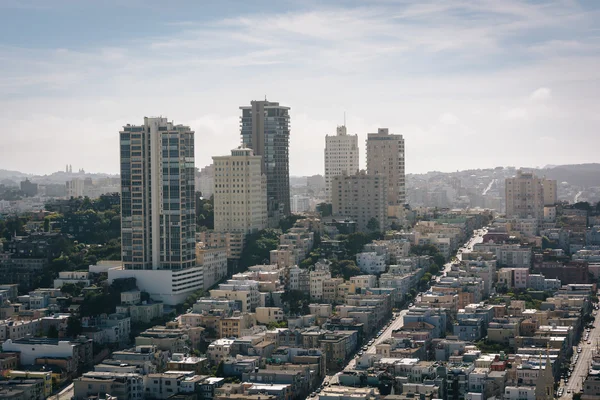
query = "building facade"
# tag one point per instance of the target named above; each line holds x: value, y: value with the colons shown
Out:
x: 158, y: 221
x: 385, y: 156
x: 265, y: 128
x: 341, y: 157
x: 205, y: 181
x: 526, y: 195
x: 240, y: 197
x: 361, y: 198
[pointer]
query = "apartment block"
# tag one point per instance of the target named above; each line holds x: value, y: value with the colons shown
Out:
x: 341, y: 157
x: 213, y: 262
x: 205, y: 181
x: 240, y: 197
x: 362, y: 198
x: 265, y: 128
x: 526, y: 195
x: 158, y: 221
x: 371, y: 263
x: 385, y: 156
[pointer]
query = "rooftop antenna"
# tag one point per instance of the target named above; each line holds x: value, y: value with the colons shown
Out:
x: 265, y: 97
x: 344, y: 118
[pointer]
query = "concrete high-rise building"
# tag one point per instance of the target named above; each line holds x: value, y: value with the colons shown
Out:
x: 240, y: 198
x: 526, y: 195
x: 158, y: 221
x: 361, y: 198
x: 550, y: 192
x: 341, y: 157
x: 205, y: 181
x: 385, y: 156
x: 29, y: 188
x: 75, y: 187
x: 300, y: 204
x: 265, y: 128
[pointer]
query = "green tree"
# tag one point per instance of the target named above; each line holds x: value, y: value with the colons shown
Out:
x: 286, y: 223
x: 73, y: 327
x: 348, y: 269
x: 373, y: 225
x: 355, y: 242
x: 258, y: 247
x: 325, y: 209
x: 72, y: 289
x: 219, y: 372
x: 52, y: 332
x: 205, y: 215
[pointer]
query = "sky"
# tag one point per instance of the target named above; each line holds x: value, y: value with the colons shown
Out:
x: 469, y: 84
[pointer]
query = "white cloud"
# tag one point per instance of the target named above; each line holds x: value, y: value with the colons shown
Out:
x: 398, y: 65
x: 448, y: 118
x: 541, y: 94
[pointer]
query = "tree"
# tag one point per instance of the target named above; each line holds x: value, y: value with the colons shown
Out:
x: 433, y: 269
x: 355, y: 242
x: 72, y: 289
x: 583, y: 205
x: 205, y: 215
x: 373, y: 224
x: 73, y: 327
x: 348, y: 269
x: 258, y: 247
x: 325, y: 209
x: 286, y: 223
x: 219, y: 372
x: 439, y: 259
x: 396, y: 226
x: 52, y: 332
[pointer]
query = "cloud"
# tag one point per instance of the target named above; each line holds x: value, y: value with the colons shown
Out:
x: 541, y: 94
x: 449, y: 119
x: 401, y: 65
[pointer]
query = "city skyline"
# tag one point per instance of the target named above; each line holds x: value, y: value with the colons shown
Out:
x: 446, y: 76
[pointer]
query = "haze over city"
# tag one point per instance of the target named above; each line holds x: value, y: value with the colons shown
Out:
x: 494, y: 79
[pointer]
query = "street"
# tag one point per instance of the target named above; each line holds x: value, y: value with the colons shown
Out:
x: 398, y: 322
x: 575, y: 382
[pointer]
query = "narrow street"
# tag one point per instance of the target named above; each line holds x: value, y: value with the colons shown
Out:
x: 580, y: 372
x: 398, y: 322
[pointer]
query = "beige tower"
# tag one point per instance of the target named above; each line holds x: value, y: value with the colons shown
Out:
x: 361, y: 198
x: 341, y: 157
x: 385, y: 156
x: 240, y: 195
x: 526, y: 195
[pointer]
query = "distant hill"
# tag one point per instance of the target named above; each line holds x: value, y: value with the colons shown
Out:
x: 6, y: 174
x: 586, y: 175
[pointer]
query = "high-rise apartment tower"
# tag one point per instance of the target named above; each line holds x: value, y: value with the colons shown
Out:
x: 385, y: 156
x: 361, y: 198
x: 265, y: 128
x: 158, y: 221
x: 341, y: 157
x: 240, y: 198
x: 526, y: 195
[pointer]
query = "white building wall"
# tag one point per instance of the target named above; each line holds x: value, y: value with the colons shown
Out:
x: 170, y: 287
x: 371, y: 263
x: 31, y: 351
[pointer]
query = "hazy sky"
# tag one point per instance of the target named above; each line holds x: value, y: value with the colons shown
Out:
x: 468, y: 83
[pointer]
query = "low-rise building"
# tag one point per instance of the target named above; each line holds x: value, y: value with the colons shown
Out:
x: 371, y: 262
x: 266, y: 315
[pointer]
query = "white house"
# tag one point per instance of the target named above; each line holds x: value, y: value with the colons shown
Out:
x: 371, y: 262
